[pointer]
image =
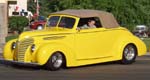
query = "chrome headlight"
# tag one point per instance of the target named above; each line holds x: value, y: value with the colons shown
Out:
x: 33, y: 48
x: 13, y: 46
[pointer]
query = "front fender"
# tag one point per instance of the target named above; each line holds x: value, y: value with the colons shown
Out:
x: 46, y: 50
x: 8, y: 52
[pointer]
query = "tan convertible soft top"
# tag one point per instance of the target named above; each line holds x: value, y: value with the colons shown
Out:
x: 106, y: 18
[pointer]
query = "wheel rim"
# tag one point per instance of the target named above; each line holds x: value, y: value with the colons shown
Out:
x: 129, y: 53
x: 57, y: 60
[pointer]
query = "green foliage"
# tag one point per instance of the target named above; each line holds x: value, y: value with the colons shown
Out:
x: 128, y: 13
x: 44, y: 6
x: 147, y: 42
x: 31, y: 6
x: 17, y: 23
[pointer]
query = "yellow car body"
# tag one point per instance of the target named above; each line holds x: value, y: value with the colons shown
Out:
x: 78, y: 46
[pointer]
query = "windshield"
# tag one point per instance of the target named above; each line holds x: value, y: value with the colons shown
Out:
x: 65, y: 22
x: 52, y: 22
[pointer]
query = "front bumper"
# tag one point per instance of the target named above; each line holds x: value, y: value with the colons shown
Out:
x: 9, y: 62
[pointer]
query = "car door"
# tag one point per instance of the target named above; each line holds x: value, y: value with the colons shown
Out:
x: 93, y: 43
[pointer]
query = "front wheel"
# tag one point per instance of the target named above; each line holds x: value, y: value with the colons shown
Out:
x: 129, y: 54
x: 55, y: 62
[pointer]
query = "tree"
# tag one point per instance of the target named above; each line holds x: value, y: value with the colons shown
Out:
x: 128, y: 13
x: 31, y: 6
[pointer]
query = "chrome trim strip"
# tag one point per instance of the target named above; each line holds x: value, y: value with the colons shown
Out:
x: 95, y: 58
x: 53, y: 34
x: 54, y: 37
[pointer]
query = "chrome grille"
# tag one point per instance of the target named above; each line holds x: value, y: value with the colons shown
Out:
x: 22, y: 47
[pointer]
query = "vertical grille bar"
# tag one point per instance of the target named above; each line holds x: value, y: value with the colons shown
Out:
x: 22, y: 47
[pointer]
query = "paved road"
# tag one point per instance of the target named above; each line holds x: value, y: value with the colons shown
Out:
x: 140, y: 70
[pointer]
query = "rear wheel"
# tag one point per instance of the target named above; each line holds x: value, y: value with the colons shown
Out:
x: 129, y: 54
x: 55, y: 62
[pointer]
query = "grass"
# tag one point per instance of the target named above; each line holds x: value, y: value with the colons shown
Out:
x: 147, y: 42
x: 8, y: 38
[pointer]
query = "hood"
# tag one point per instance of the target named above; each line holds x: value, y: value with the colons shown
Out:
x: 52, y: 31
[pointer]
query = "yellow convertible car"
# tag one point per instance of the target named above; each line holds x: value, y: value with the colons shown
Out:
x: 75, y: 38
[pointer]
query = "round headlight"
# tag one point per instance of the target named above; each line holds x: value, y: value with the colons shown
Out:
x: 33, y: 48
x: 13, y: 46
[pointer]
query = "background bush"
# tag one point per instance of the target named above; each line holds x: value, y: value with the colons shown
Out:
x: 17, y: 23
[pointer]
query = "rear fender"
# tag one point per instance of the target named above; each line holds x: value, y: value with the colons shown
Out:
x: 140, y: 46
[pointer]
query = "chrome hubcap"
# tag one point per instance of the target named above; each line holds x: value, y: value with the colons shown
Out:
x: 129, y: 53
x: 57, y: 60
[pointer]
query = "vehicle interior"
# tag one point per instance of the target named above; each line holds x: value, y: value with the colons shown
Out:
x: 84, y: 21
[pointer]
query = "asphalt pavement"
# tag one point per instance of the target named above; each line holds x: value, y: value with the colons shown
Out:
x: 140, y: 70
